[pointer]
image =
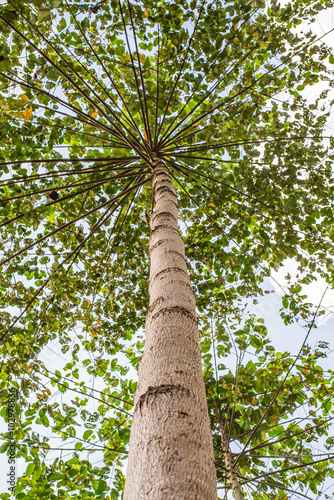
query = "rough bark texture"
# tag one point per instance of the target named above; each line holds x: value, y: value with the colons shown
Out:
x: 171, y: 452
x: 229, y: 465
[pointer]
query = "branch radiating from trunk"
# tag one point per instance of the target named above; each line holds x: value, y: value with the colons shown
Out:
x: 171, y: 450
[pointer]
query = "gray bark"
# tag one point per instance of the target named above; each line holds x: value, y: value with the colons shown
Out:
x: 229, y: 466
x: 171, y: 451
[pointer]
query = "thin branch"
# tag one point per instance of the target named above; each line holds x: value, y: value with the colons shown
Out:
x: 84, y: 117
x: 59, y: 200
x: 166, y: 142
x: 179, y: 76
x: 219, y: 56
x: 148, y: 130
x: 75, y: 184
x: 293, y: 467
x: 118, y: 132
x: 86, y: 387
x: 242, y: 91
x: 239, y: 143
x: 67, y: 224
x: 76, y: 251
x: 268, y: 443
x: 284, y: 380
x: 247, y: 196
x: 97, y: 399
x: 279, y: 486
x: 106, y: 167
x: 106, y: 71
x: 134, y: 72
x: 110, y: 159
x: 66, y: 76
x: 157, y: 98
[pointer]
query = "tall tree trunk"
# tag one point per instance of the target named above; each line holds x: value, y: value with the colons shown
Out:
x: 229, y: 465
x: 171, y: 451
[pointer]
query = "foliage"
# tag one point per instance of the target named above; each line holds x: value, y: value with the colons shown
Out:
x: 216, y: 89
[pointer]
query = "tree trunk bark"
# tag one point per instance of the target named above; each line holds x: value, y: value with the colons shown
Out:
x: 229, y: 465
x: 171, y: 451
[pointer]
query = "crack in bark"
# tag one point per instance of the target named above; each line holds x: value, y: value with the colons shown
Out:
x: 164, y: 186
x: 179, y: 309
x: 170, y: 269
x: 160, y: 242
x: 157, y: 181
x: 159, y: 172
x: 163, y: 189
x: 155, y: 303
x: 160, y: 389
x: 160, y: 300
x: 170, y: 201
x: 165, y: 226
x: 165, y: 214
x: 176, y: 253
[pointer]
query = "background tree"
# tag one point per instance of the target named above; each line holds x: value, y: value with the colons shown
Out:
x: 92, y: 95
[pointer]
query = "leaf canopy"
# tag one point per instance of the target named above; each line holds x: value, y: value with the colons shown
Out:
x: 217, y: 90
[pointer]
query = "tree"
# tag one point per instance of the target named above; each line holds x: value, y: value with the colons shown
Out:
x: 113, y: 115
